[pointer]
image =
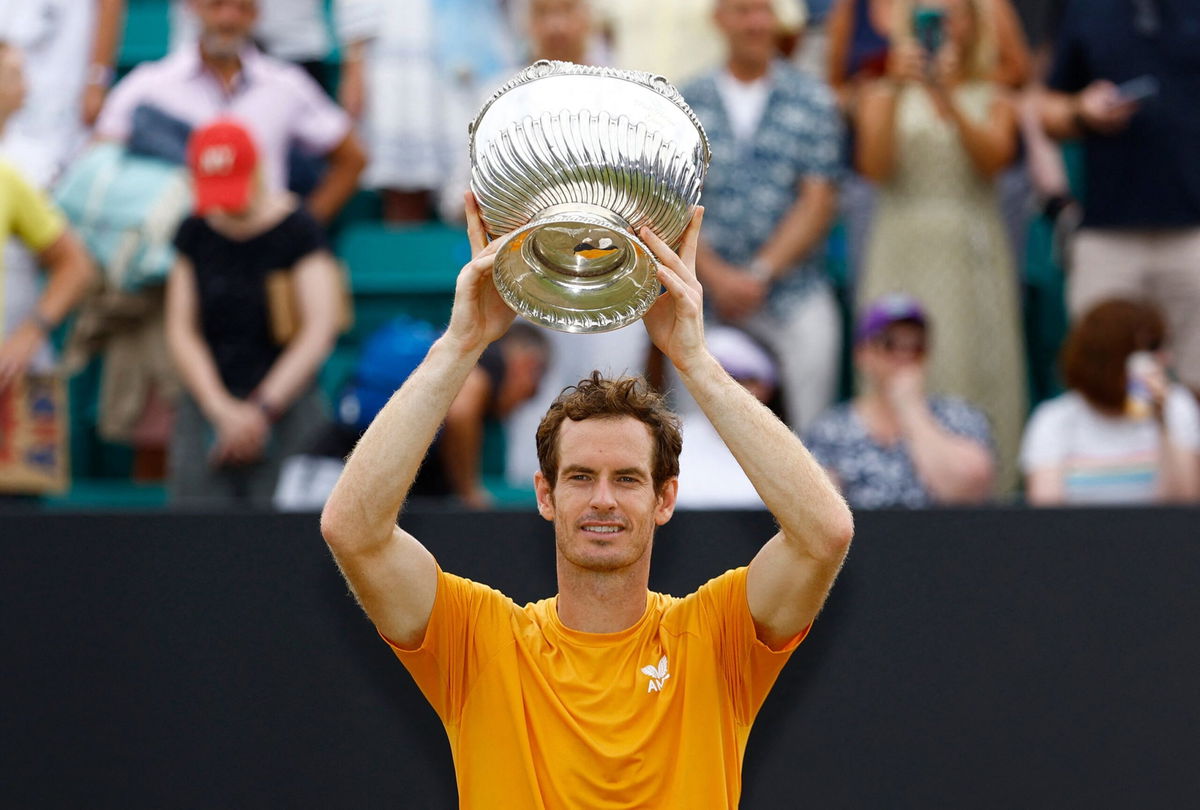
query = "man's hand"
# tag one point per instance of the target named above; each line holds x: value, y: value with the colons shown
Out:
x: 676, y: 321
x: 17, y: 353
x: 480, y: 315
x: 737, y: 295
x: 905, y: 386
x: 1101, y: 108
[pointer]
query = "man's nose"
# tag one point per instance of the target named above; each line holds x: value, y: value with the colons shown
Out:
x: 602, y: 495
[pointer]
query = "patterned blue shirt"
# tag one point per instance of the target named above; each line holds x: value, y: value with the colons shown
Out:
x: 749, y: 190
x: 875, y: 476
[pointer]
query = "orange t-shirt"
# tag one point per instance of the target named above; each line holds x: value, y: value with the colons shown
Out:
x: 542, y: 716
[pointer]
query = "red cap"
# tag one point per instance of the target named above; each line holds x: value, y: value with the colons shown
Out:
x: 222, y: 159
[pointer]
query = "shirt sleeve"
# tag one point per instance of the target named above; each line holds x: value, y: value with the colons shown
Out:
x: 1183, y: 418
x: 964, y: 420
x: 318, y: 124
x: 116, y: 116
x: 468, y: 623
x: 36, y: 221
x: 1042, y: 446
x: 750, y: 666
x: 304, y: 236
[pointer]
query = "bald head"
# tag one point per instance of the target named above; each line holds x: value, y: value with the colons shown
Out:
x: 559, y: 29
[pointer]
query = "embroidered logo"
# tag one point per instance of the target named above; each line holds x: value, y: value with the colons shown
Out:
x: 658, y: 675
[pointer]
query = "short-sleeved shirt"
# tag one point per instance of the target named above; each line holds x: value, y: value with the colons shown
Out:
x: 877, y: 476
x: 231, y: 286
x: 27, y: 214
x: 543, y: 717
x: 1106, y: 459
x: 276, y: 101
x: 1147, y: 175
x: 751, y: 186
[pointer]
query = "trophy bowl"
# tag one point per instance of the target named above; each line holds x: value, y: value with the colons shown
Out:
x: 570, y: 162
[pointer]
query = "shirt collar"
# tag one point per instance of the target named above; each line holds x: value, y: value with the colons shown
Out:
x: 250, y: 57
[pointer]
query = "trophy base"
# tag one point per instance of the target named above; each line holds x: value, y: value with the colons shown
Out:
x: 577, y: 268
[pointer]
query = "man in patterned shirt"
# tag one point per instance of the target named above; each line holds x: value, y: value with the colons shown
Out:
x: 770, y: 197
x: 894, y: 445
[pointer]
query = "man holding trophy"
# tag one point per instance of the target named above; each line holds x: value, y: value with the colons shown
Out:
x: 606, y: 693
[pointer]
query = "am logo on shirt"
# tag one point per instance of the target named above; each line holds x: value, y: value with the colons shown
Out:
x: 658, y: 675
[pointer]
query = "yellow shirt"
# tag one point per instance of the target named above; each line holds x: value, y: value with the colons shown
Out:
x: 542, y: 717
x: 27, y: 214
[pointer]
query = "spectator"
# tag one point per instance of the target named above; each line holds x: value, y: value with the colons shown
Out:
x: 1122, y: 433
x: 678, y: 38
x: 507, y: 375
x: 411, y: 66
x: 933, y: 135
x: 709, y: 476
x: 894, y: 444
x: 292, y: 30
x: 249, y: 400
x: 27, y: 318
x: 1126, y: 77
x: 69, y: 47
x: 226, y: 75
x: 860, y: 34
x: 770, y: 197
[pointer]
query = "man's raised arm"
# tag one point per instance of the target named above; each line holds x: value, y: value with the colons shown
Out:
x: 790, y: 577
x: 391, y: 573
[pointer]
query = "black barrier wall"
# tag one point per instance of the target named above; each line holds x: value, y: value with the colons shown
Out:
x: 966, y: 659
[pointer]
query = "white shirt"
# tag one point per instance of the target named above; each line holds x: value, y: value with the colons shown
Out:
x: 744, y: 102
x: 56, y: 39
x: 709, y: 475
x: 1106, y: 459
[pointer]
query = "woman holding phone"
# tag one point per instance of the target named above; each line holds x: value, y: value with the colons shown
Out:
x: 932, y: 134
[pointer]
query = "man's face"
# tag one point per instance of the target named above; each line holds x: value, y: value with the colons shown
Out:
x: 558, y: 29
x: 225, y: 25
x: 12, y: 80
x: 603, y: 504
x: 899, y: 346
x: 749, y: 27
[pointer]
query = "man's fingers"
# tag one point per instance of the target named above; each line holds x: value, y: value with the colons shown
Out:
x: 691, y: 237
x: 667, y: 256
x: 476, y: 232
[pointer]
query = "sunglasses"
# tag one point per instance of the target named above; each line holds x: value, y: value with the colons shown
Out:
x: 894, y: 345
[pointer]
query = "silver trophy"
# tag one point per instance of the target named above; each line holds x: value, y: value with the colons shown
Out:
x: 573, y: 161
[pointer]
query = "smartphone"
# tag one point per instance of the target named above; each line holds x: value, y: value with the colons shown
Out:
x: 929, y: 27
x: 1139, y: 399
x: 1139, y: 89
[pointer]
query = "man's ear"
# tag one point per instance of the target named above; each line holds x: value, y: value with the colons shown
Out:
x: 545, y: 496
x: 666, y: 501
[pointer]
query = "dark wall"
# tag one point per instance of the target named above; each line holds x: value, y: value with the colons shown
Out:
x: 966, y: 659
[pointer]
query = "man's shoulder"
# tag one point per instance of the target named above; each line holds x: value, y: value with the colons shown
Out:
x: 720, y: 594
x: 798, y: 86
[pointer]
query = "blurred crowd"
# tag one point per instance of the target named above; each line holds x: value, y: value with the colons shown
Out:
x: 880, y: 169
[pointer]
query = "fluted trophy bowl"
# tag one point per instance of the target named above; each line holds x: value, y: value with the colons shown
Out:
x: 573, y: 161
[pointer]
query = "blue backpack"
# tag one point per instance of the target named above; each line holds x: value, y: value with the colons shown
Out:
x: 388, y: 356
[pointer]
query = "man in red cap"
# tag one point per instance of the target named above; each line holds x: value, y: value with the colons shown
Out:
x: 250, y: 399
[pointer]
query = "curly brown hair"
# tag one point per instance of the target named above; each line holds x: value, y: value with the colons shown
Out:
x: 1095, y: 353
x: 598, y: 397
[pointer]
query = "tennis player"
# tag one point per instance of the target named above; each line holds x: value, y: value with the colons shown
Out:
x: 606, y: 695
